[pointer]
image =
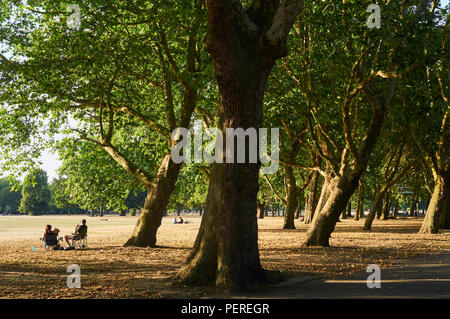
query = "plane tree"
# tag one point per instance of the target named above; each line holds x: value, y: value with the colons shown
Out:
x: 346, y: 75
x: 131, y: 68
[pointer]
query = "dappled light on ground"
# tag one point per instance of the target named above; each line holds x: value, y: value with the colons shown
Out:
x: 109, y: 270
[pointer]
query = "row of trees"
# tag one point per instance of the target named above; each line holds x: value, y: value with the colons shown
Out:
x: 359, y: 109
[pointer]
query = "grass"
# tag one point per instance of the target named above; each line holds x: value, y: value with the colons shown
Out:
x: 109, y: 270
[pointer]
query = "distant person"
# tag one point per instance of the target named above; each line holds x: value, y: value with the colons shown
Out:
x: 50, y: 237
x: 80, y: 233
x: 175, y: 221
x: 181, y: 220
x: 48, y: 231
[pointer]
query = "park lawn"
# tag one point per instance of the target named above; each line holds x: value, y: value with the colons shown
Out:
x: 109, y: 270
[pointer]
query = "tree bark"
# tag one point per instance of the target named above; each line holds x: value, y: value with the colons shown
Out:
x: 413, y: 205
x: 298, y: 210
x: 386, y: 206
x: 431, y: 223
x: 144, y: 234
x: 344, y: 213
x: 291, y: 200
x: 260, y: 207
x: 335, y: 195
x: 445, y: 216
x: 360, y: 204
x: 380, y: 208
x: 396, y: 209
x: 243, y: 46
x: 376, y: 206
x: 349, y: 209
x: 311, y: 199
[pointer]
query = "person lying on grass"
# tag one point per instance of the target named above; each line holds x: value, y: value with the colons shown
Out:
x: 80, y: 233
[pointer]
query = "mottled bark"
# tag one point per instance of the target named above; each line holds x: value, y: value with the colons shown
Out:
x: 386, y: 206
x: 311, y: 198
x: 360, y: 204
x: 335, y: 195
x: 243, y: 46
x: 144, y: 234
x: 291, y: 198
x: 376, y: 206
x: 431, y: 223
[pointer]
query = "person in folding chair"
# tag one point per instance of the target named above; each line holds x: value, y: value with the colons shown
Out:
x: 80, y: 235
x: 50, y: 237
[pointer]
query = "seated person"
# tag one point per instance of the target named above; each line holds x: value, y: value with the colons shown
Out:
x: 181, y: 220
x: 80, y: 233
x: 50, y: 236
x: 175, y: 221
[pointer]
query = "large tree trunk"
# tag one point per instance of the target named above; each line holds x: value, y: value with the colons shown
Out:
x: 291, y: 200
x: 431, y: 223
x: 335, y: 195
x: 226, y: 249
x: 311, y: 198
x: 144, y: 234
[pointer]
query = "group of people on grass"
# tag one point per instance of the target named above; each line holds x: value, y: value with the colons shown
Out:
x: 80, y: 233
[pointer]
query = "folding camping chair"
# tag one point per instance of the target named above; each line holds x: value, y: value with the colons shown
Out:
x: 81, y: 241
x: 51, y: 240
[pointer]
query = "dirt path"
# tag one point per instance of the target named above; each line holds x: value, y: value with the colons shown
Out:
x: 420, y: 277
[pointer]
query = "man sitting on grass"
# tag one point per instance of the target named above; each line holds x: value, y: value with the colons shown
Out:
x: 80, y: 233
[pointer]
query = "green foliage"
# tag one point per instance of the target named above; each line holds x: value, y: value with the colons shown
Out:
x: 9, y: 198
x: 35, y: 194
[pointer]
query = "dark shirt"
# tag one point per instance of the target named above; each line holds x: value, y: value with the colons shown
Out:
x: 81, y: 230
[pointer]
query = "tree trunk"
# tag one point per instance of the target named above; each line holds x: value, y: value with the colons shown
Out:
x: 291, y: 200
x: 380, y: 209
x: 260, y: 207
x: 413, y: 206
x: 386, y: 206
x: 376, y: 206
x: 445, y: 216
x: 144, y: 234
x: 226, y: 249
x: 344, y: 213
x: 298, y: 210
x: 431, y: 223
x: 349, y: 209
x: 311, y: 198
x: 335, y: 195
x: 360, y: 204
x: 397, y: 206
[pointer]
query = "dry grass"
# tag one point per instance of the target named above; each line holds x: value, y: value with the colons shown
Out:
x: 109, y: 270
